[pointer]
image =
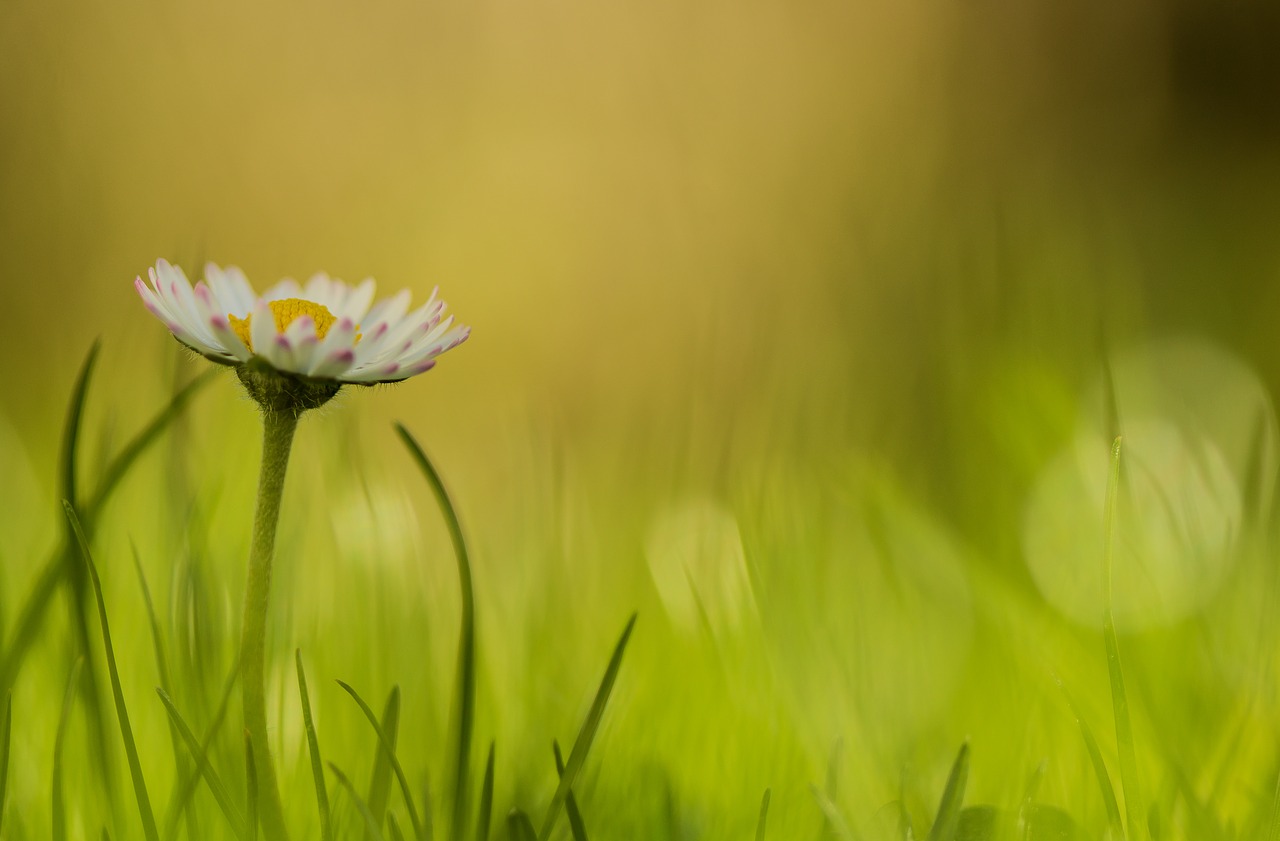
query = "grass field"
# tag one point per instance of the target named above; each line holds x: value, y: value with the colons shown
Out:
x: 805, y: 629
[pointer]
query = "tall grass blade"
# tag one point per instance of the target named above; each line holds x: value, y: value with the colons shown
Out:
x: 387, y: 739
x: 6, y: 731
x: 162, y: 666
x: 74, y: 572
x: 1129, y: 782
x: 200, y: 754
x: 67, y: 462
x: 1114, y: 821
x: 944, y: 825
x: 393, y: 827
x: 64, y: 718
x: 485, y: 815
x: 126, y: 732
x: 313, y: 748
x: 519, y: 827
x: 586, y: 734
x: 763, y: 820
x: 251, y: 796
x: 577, y: 828
x: 371, y: 824
x: 465, y: 700
x: 380, y: 779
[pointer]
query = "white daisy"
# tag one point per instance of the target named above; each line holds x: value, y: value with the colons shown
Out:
x: 325, y: 330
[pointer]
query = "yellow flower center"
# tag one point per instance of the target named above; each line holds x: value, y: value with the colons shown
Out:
x: 285, y: 312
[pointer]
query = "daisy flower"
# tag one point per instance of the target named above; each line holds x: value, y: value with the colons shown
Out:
x: 324, y: 330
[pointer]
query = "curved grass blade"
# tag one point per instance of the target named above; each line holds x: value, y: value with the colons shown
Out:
x: 485, y: 815
x: 763, y: 820
x: 586, y: 734
x: 251, y: 796
x: 465, y: 701
x: 380, y: 780
x: 126, y: 732
x: 519, y: 827
x: 71, y: 428
x: 6, y: 731
x: 1114, y: 821
x: 363, y: 808
x: 1129, y: 782
x: 313, y: 748
x: 577, y: 828
x: 387, y: 741
x: 68, y: 700
x: 200, y: 754
x: 944, y: 826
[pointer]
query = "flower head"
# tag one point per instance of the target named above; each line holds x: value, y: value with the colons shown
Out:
x: 323, y: 334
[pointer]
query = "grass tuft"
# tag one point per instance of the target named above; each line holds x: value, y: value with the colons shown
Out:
x: 465, y: 700
x: 122, y: 713
x: 371, y: 823
x: 380, y: 779
x: 387, y: 752
x: 578, y: 755
x: 200, y: 754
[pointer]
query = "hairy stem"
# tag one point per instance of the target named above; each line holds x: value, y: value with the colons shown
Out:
x: 278, y: 427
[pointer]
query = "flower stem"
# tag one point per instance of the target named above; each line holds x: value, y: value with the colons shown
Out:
x: 277, y: 438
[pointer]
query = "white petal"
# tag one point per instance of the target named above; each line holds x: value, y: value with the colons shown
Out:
x: 355, y: 306
x: 262, y: 329
x: 287, y: 288
x: 338, y: 342
x: 227, y: 342
x: 231, y: 288
x: 301, y: 335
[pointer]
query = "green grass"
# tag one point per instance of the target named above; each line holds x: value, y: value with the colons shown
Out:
x: 825, y: 700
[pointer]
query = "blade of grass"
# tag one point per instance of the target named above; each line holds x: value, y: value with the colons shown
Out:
x: 763, y: 820
x: 944, y: 825
x: 6, y: 731
x: 1129, y: 782
x: 251, y: 795
x: 1114, y: 821
x: 465, y: 700
x: 313, y: 748
x: 587, y: 733
x: 393, y: 826
x: 126, y: 732
x: 836, y: 824
x: 387, y: 741
x: 577, y: 827
x: 74, y: 572
x: 200, y: 754
x: 519, y: 827
x: 162, y: 666
x: 363, y: 808
x: 380, y: 779
x: 485, y: 815
x: 68, y: 701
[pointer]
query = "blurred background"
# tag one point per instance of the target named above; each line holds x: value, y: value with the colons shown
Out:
x: 758, y: 290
